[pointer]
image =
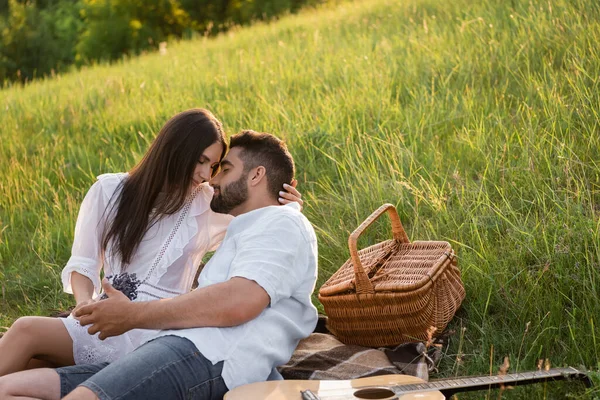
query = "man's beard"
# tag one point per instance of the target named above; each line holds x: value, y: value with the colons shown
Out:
x: 230, y: 196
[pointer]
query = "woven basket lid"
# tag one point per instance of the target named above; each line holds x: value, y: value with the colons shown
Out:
x: 394, y: 265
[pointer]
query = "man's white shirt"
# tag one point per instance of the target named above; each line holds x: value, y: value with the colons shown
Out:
x: 277, y: 248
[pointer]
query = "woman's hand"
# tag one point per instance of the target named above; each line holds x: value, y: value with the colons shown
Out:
x: 82, y: 304
x: 290, y: 194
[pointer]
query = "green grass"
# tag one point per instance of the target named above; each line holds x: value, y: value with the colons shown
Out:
x: 478, y: 119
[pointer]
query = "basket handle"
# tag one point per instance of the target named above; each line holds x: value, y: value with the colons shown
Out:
x: 362, y: 282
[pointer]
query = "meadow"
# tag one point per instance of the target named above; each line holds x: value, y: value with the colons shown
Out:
x: 479, y: 120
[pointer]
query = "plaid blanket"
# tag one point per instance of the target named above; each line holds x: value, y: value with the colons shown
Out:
x: 321, y: 356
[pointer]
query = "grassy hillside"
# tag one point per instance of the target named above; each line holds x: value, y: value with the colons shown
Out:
x: 478, y: 119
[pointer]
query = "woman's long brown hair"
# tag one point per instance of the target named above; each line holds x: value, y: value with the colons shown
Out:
x: 168, y: 166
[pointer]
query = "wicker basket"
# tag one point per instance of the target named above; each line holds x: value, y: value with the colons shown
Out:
x: 392, y: 292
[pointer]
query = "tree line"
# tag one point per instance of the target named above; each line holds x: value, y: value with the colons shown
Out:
x: 44, y: 37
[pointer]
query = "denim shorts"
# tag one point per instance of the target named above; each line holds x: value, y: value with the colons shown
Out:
x: 169, y: 367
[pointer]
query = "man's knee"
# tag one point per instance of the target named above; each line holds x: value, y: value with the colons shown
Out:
x: 81, y: 393
x: 39, y: 383
x: 6, y: 388
x: 3, y: 388
x: 10, y: 389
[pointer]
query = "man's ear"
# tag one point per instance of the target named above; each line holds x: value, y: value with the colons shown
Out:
x: 257, y: 175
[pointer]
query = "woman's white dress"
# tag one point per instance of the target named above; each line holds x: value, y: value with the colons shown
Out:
x: 165, y: 261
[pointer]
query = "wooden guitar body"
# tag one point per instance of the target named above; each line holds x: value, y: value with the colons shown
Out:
x: 330, y: 390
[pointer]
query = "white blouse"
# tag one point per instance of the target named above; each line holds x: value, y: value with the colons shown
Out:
x: 175, y: 244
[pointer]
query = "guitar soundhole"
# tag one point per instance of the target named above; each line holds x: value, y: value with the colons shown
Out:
x: 374, y: 393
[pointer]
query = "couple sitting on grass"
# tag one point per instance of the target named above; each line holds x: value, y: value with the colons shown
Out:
x: 148, y: 231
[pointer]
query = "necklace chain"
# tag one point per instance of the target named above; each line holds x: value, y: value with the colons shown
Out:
x: 184, y: 211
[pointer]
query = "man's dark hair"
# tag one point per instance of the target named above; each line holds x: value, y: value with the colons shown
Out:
x: 264, y: 149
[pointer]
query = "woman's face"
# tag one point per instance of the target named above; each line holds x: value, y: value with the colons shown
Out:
x: 207, y: 163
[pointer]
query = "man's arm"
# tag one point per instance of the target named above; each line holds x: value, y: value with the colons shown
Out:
x: 264, y: 271
x: 229, y: 303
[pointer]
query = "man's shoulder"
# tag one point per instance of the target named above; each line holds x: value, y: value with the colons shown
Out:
x: 297, y: 221
x: 286, y: 218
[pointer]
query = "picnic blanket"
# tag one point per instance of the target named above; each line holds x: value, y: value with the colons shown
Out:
x: 322, y: 356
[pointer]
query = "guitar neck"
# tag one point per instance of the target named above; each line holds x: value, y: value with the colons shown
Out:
x: 451, y: 386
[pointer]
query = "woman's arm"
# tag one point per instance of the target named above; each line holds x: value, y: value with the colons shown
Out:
x: 83, y: 288
x: 86, y: 254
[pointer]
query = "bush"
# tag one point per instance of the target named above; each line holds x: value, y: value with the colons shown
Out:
x: 49, y: 35
x: 37, y: 41
x: 241, y: 12
x: 117, y: 27
x: 215, y: 15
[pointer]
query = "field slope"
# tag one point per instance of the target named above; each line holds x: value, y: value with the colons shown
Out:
x: 478, y: 119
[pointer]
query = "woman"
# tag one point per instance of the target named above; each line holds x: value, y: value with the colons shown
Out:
x: 146, y: 230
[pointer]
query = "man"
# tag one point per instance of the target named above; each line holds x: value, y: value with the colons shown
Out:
x: 252, y: 305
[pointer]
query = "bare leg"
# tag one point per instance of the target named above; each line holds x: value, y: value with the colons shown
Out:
x: 23, y: 398
x: 41, y: 338
x: 42, y: 384
x: 35, y: 363
x: 81, y: 393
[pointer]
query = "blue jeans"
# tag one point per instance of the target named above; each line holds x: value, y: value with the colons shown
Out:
x: 169, y: 367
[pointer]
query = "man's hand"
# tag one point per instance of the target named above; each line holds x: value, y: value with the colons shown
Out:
x: 224, y: 304
x: 110, y: 317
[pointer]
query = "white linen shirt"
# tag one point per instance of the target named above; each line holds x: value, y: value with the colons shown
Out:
x: 277, y: 248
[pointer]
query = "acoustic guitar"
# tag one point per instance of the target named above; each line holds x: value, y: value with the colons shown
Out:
x: 391, y: 387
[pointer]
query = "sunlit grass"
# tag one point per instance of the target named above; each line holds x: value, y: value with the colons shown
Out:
x: 479, y: 120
